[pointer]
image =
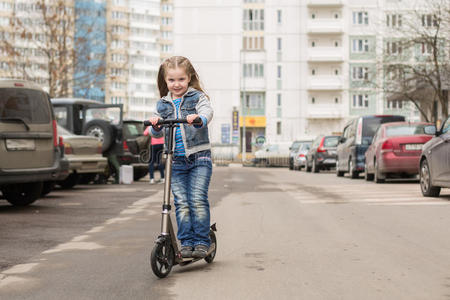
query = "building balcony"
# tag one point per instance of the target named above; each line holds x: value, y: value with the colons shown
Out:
x: 325, y: 3
x: 325, y: 54
x: 325, y: 111
x: 255, y: 84
x: 325, y: 26
x: 325, y: 83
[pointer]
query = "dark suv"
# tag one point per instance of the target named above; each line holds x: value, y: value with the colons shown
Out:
x: 356, y: 138
x: 30, y: 156
x: 104, y: 121
x: 322, y: 154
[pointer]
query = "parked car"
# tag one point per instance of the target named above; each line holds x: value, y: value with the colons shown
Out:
x: 29, y: 152
x: 300, y: 156
x: 395, y: 150
x: 356, y: 138
x: 84, y: 154
x: 435, y: 162
x: 293, y: 149
x: 135, y: 143
x: 322, y: 154
x: 275, y: 155
x: 105, y: 122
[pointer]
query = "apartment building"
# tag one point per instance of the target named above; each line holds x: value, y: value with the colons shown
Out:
x: 166, y: 34
x: 290, y: 69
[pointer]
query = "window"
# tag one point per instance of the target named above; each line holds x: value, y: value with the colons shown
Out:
x: 313, y: 44
x: 360, y: 18
x: 278, y: 128
x: 360, y: 45
x: 278, y: 99
x: 279, y: 72
x: 254, y: 101
x: 279, y: 44
x: 429, y: 21
x: 394, y: 104
x: 253, y: 70
x: 253, y: 19
x: 426, y: 48
x: 360, y: 73
x: 313, y: 100
x: 360, y: 101
x: 394, y: 20
x: 313, y: 72
x: 394, y: 48
x: 336, y: 100
x: 336, y: 43
x: 279, y: 16
x: 253, y: 43
x: 336, y: 71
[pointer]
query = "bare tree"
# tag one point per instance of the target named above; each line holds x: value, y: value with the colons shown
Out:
x: 416, y: 58
x: 43, y: 46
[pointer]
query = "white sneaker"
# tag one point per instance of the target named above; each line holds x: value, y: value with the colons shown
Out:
x: 152, y: 181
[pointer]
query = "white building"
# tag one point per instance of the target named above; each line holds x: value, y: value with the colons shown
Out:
x: 303, y: 67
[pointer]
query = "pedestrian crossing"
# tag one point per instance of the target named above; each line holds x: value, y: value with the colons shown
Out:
x: 374, y: 195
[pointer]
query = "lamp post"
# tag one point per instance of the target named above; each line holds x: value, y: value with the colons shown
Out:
x: 244, y: 142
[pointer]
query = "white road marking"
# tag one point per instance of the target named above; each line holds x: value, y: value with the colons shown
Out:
x: 19, y: 269
x: 74, y: 246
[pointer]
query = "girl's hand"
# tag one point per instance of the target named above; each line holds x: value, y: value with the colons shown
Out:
x: 154, y: 121
x: 190, y: 118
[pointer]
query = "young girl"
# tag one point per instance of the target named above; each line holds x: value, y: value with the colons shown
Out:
x: 182, y: 97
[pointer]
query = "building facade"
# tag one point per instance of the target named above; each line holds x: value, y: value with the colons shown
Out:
x: 291, y: 69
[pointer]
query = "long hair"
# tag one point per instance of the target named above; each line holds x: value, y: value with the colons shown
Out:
x: 177, y: 62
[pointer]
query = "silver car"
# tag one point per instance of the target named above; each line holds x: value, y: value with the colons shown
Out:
x: 299, y: 160
x: 435, y: 162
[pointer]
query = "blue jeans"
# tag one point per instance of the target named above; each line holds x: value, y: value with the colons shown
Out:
x: 190, y: 182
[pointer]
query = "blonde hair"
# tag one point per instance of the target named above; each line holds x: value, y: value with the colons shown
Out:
x: 177, y: 62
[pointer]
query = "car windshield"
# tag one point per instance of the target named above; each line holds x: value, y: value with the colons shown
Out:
x: 31, y: 106
x: 331, y: 141
x: 405, y: 130
x: 305, y: 146
x: 110, y: 114
x: 295, y: 146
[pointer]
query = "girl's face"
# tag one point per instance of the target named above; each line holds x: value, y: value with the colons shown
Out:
x: 177, y: 81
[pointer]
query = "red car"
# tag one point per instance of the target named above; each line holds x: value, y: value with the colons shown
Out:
x: 395, y: 150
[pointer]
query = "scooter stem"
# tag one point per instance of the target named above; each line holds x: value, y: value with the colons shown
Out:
x: 165, y: 221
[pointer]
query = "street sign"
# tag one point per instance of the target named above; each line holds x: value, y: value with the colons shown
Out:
x: 260, y: 140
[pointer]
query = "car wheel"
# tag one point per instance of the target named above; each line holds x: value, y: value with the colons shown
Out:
x: 353, y: 174
x: 425, y: 181
x: 291, y: 165
x: 22, y: 194
x: 367, y: 175
x: 47, y: 187
x: 307, y: 167
x: 339, y: 173
x: 315, y: 168
x: 102, y: 130
x: 70, y: 181
x: 378, y: 177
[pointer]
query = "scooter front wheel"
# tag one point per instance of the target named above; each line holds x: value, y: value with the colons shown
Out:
x: 209, y: 259
x: 162, y: 259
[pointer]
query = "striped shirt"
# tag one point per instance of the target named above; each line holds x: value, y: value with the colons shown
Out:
x: 179, y: 147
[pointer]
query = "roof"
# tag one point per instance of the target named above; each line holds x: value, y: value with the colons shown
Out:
x: 10, y: 83
x: 74, y: 101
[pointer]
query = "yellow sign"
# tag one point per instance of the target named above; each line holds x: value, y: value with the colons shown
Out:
x: 251, y: 121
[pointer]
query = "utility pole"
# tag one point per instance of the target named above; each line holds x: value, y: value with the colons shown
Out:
x: 244, y: 142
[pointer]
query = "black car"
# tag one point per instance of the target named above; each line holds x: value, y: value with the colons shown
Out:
x: 435, y: 162
x: 356, y: 138
x: 322, y: 154
x: 104, y: 121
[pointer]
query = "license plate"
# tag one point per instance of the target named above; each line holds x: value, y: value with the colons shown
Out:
x: 413, y: 146
x: 20, y: 145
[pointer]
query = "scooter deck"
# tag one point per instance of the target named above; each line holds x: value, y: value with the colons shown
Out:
x: 188, y: 260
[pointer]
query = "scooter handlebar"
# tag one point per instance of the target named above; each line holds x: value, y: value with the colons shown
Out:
x: 197, y: 121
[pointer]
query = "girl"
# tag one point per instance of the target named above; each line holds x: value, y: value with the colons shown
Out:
x: 182, y: 97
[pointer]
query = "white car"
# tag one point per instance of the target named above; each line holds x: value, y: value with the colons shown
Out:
x: 275, y: 155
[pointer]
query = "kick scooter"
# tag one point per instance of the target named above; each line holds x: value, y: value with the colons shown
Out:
x: 166, y: 252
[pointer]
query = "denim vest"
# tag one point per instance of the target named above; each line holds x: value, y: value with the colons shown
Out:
x: 194, y: 139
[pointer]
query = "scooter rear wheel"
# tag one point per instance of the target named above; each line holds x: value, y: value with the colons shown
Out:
x: 209, y: 259
x: 162, y: 259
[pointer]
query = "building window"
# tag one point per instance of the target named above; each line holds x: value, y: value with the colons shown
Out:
x: 279, y: 16
x: 253, y: 43
x: 426, y: 48
x: 393, y: 20
x: 429, y: 21
x: 336, y: 100
x: 313, y: 44
x: 394, y: 104
x: 360, y: 45
x: 278, y: 100
x: 336, y: 43
x: 336, y: 72
x: 253, y: 19
x: 278, y: 128
x: 313, y: 16
x: 279, y: 44
x: 393, y: 48
x: 360, y: 18
x: 254, y: 101
x: 253, y: 70
x: 360, y: 101
x: 360, y: 73
x: 313, y: 100
x: 279, y: 72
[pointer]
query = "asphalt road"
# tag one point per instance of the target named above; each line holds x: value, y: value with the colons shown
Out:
x: 281, y: 234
